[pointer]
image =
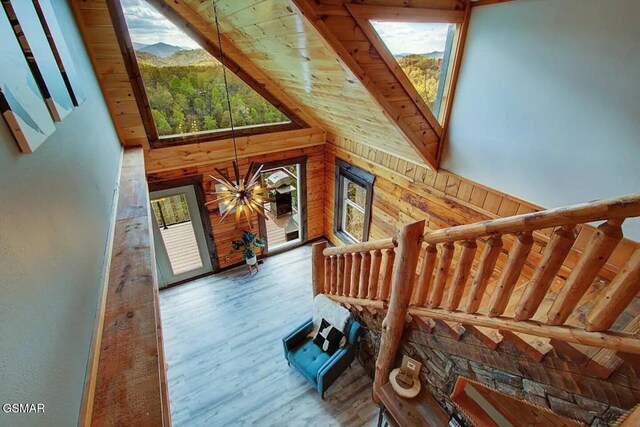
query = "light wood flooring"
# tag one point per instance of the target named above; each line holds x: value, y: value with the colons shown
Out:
x: 222, y: 339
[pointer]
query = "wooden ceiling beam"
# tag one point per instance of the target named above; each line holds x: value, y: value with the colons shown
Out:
x: 405, y: 14
x: 307, y: 9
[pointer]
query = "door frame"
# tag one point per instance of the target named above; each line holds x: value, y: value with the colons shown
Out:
x: 302, y: 197
x: 197, y: 183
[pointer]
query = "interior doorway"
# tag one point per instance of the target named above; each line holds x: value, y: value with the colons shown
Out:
x: 180, y: 241
x: 286, y: 220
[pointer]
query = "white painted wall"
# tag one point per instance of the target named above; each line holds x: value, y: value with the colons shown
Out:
x: 55, y: 207
x: 547, y: 106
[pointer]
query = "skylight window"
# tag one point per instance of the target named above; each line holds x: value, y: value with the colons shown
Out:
x: 183, y: 82
x: 423, y: 52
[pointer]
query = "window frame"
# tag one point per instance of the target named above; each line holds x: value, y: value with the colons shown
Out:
x: 346, y: 171
x: 125, y: 43
x: 364, y: 14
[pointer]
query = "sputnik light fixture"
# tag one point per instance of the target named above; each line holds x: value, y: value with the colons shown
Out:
x: 245, y: 195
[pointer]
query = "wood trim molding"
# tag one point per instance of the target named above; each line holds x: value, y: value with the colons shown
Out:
x: 307, y: 9
x: 133, y: 68
x: 405, y: 14
x: 452, y: 81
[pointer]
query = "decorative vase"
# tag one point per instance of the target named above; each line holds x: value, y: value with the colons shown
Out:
x: 252, y: 261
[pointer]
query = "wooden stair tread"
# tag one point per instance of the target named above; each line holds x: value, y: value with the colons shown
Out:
x: 534, y: 347
x: 455, y: 329
x: 605, y: 361
x: 488, y: 336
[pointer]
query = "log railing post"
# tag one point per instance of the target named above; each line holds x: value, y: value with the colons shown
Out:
x: 595, y: 256
x: 426, y: 274
x: 442, y: 273
x: 510, y: 274
x: 556, y: 251
x: 385, y: 288
x: 486, y: 268
x: 334, y: 274
x: 348, y: 258
x: 355, y: 274
x: 340, y: 276
x: 317, y: 267
x: 620, y: 292
x: 461, y: 275
x: 404, y: 273
x: 374, y: 277
x: 365, y: 270
x: 327, y: 274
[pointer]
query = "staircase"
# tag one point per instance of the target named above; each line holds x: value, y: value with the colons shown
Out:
x: 518, y: 279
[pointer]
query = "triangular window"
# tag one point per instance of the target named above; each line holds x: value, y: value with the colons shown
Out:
x: 423, y: 52
x: 183, y: 82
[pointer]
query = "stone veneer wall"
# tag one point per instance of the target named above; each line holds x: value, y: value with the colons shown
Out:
x: 562, y: 386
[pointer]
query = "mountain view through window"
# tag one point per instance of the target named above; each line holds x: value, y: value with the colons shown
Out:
x: 184, y: 83
x: 422, y: 50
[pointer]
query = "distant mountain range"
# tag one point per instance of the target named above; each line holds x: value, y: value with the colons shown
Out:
x: 435, y: 54
x: 166, y: 55
x: 159, y: 49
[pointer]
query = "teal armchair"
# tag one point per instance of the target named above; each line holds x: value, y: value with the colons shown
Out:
x: 320, y: 369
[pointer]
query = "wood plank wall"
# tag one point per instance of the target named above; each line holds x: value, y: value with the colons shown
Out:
x: 405, y: 192
x: 206, y: 153
x: 224, y: 233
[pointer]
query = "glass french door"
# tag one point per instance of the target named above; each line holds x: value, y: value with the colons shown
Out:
x: 284, y: 222
x: 179, y: 237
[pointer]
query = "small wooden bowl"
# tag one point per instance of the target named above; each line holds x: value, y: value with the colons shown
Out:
x: 407, y: 393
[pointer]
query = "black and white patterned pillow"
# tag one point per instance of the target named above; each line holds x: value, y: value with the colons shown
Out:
x: 328, y: 337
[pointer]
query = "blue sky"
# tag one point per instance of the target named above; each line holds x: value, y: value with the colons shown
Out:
x: 148, y: 26
x: 407, y: 37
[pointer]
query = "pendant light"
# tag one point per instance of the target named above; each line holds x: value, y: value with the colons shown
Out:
x: 246, y: 195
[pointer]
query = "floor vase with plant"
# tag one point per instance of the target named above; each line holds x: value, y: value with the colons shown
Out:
x: 248, y: 243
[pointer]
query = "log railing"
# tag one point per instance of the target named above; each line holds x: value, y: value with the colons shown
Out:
x: 459, y: 279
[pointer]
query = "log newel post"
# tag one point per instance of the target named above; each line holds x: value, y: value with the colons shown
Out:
x: 404, y: 273
x: 317, y: 267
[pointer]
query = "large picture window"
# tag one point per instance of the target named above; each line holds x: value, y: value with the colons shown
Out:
x: 181, y: 83
x: 354, y: 189
x: 423, y: 52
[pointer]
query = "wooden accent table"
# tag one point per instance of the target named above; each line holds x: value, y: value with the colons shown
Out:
x: 422, y: 410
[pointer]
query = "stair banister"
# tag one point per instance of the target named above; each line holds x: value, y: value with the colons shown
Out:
x: 406, y: 262
x: 617, y: 207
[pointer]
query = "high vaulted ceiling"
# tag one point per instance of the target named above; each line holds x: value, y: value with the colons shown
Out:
x: 311, y: 55
x: 326, y: 64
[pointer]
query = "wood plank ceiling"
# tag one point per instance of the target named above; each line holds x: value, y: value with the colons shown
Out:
x: 312, y: 57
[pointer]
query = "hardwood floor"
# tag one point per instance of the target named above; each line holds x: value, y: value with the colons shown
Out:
x: 222, y: 339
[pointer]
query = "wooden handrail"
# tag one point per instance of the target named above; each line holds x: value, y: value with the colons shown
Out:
x: 373, y: 245
x: 617, y: 207
x: 457, y: 285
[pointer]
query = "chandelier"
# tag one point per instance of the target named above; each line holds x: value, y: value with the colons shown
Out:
x: 246, y: 195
